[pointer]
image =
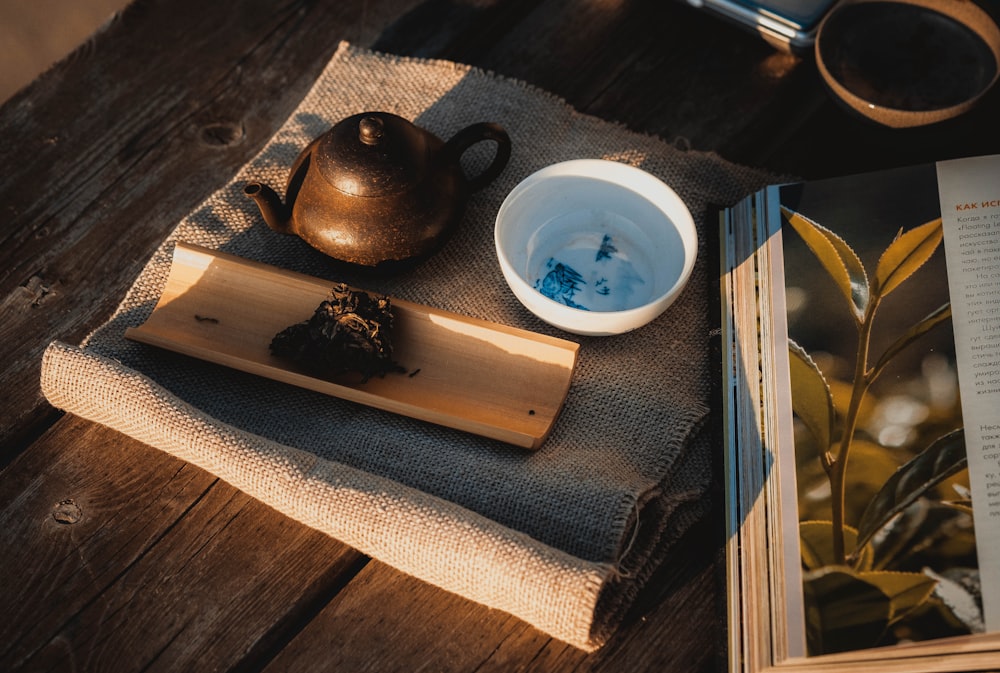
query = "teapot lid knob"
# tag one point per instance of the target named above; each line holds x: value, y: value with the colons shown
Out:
x: 370, y: 130
x: 373, y: 154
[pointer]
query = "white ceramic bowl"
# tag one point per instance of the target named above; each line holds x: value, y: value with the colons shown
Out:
x: 595, y: 247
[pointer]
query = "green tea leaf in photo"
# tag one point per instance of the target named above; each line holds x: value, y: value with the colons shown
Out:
x: 837, y: 257
x: 816, y: 546
x: 871, y: 465
x: 943, y: 458
x: 906, y: 591
x: 843, y: 612
x: 927, y: 533
x: 905, y: 255
x: 812, y: 401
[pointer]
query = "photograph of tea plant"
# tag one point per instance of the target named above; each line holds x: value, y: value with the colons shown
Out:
x: 887, y: 541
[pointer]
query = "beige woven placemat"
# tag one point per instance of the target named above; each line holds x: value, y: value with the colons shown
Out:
x: 562, y: 537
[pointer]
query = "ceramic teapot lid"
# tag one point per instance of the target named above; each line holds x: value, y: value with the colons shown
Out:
x: 373, y: 154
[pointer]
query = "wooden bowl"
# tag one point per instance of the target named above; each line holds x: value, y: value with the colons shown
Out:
x: 905, y: 63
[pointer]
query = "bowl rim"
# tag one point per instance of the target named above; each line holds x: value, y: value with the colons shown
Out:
x: 967, y: 14
x: 666, y: 199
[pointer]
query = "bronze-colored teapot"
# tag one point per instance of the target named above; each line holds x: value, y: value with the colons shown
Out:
x: 378, y: 191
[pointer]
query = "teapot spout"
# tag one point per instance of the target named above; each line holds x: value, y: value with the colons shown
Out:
x: 276, y: 214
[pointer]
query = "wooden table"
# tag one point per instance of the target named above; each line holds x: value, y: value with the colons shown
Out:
x: 117, y: 556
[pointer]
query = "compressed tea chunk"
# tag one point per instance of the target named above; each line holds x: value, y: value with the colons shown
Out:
x: 351, y: 331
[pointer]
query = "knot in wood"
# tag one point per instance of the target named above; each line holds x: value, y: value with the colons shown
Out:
x: 67, y: 512
x: 222, y: 134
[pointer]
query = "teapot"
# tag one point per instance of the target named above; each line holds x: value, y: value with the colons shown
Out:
x: 379, y: 192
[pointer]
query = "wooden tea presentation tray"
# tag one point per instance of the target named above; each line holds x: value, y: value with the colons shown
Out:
x: 464, y: 373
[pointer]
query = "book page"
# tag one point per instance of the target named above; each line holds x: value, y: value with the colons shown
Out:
x: 783, y: 496
x: 888, y: 540
x: 970, y: 208
x: 747, y: 463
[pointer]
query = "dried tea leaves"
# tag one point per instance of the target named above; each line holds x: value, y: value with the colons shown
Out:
x: 351, y: 331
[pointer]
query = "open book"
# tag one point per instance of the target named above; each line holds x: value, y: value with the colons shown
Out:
x: 861, y: 346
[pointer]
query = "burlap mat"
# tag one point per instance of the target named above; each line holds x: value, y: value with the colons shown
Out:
x: 562, y: 537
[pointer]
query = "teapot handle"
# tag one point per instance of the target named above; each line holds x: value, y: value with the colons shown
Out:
x: 471, y: 135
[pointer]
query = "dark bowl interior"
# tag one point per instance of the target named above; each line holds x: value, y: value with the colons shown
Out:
x: 906, y: 56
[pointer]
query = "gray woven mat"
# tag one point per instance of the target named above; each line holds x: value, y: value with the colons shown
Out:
x: 561, y: 537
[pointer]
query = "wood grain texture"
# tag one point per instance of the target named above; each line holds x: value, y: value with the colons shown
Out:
x: 224, y: 309
x: 676, y: 626
x: 119, y: 557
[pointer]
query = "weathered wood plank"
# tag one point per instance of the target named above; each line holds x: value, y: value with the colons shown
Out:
x: 415, y: 627
x: 155, y: 564
x: 675, y: 625
x: 121, y: 557
x: 660, y: 68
